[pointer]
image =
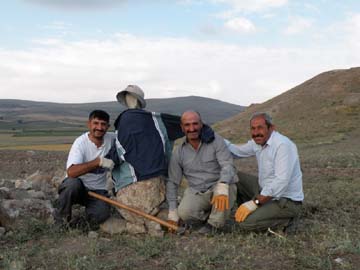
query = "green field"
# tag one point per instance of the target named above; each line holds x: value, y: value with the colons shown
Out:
x: 37, y: 141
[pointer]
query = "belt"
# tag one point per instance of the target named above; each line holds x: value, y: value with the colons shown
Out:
x: 295, y: 202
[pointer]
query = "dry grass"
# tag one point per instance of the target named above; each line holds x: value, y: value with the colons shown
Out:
x: 39, y: 147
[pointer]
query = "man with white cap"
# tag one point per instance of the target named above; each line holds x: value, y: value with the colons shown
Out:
x: 143, y: 146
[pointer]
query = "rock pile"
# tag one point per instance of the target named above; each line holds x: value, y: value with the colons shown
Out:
x: 24, y: 199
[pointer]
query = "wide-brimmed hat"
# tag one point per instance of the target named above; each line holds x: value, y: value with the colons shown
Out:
x: 133, y: 90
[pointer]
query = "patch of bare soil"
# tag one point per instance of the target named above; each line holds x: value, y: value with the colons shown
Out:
x: 18, y: 164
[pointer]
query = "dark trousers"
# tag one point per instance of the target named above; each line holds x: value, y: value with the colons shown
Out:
x: 72, y: 191
x: 275, y: 213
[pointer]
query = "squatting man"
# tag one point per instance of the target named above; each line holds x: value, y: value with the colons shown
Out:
x: 275, y: 197
x: 87, y: 171
x: 205, y: 161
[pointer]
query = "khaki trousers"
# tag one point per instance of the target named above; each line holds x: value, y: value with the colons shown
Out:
x: 196, y: 206
x: 273, y: 214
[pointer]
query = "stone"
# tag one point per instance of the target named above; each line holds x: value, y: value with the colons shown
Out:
x: 154, y: 229
x: 43, y: 182
x: 93, y: 235
x: 17, y: 213
x: 145, y: 195
x: 113, y: 225
x: 2, y: 231
x: 36, y: 194
x: 57, y: 178
x: 135, y: 228
x: 23, y: 184
x: 4, y: 193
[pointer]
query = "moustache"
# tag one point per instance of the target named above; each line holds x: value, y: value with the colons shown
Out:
x: 258, y: 136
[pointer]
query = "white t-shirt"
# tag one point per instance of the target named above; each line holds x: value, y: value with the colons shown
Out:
x: 84, y: 150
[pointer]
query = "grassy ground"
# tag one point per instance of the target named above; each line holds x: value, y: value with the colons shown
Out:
x: 327, y: 238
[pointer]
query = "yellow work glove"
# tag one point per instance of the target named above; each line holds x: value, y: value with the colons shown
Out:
x: 173, y: 218
x: 244, y: 210
x: 220, y: 199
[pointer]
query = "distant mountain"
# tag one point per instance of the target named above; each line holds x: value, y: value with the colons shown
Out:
x: 20, y: 114
x: 322, y: 110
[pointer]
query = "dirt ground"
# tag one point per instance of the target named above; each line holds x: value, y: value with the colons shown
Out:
x: 17, y: 164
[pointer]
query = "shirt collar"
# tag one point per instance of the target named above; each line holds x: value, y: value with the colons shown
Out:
x: 271, y: 139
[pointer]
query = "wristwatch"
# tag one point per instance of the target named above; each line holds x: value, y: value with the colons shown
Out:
x: 257, y: 202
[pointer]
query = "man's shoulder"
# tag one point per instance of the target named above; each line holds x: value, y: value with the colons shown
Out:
x: 82, y: 138
x: 280, y: 139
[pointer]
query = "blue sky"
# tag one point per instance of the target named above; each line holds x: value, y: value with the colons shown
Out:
x: 239, y: 51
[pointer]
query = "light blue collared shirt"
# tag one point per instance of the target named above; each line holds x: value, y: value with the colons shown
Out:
x: 279, y: 166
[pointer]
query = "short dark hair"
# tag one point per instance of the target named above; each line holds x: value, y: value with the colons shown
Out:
x: 99, y: 114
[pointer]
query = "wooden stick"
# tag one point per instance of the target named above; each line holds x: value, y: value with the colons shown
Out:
x: 133, y: 210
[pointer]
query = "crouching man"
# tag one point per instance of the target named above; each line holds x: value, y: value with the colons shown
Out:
x: 205, y: 161
x: 274, y: 198
x: 86, y: 171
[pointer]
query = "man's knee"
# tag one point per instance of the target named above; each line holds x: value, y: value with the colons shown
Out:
x: 71, y: 185
x: 185, y: 213
x: 99, y: 214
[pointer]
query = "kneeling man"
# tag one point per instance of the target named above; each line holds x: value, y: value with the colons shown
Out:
x: 205, y: 161
x: 274, y: 198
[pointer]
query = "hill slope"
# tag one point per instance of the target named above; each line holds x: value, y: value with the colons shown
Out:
x: 321, y: 115
x: 37, y: 115
x: 323, y: 109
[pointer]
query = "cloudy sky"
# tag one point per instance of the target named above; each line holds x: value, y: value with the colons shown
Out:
x: 239, y: 51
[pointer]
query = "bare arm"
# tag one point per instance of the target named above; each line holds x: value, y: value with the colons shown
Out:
x: 77, y: 170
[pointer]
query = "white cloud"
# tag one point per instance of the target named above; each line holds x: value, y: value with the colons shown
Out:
x: 297, y: 25
x: 77, y: 4
x: 252, y: 5
x: 94, y: 70
x: 239, y: 24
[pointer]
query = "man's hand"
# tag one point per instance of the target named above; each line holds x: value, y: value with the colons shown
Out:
x: 106, y: 163
x: 173, y: 218
x: 220, y: 199
x: 244, y: 210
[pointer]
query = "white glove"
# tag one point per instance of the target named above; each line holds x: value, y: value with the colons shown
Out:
x: 106, y: 163
x: 221, y: 189
x: 173, y: 215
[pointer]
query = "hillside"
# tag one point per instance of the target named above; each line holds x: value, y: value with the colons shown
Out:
x: 324, y: 109
x: 19, y: 114
x: 321, y: 115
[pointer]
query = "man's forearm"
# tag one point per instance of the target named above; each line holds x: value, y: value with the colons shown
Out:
x: 77, y: 170
x: 263, y: 199
x: 171, y: 194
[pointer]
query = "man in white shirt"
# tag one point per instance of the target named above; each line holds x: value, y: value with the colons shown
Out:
x: 275, y: 198
x: 86, y: 170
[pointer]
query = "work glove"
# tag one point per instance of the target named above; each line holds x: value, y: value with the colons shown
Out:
x: 244, y: 210
x: 220, y: 198
x: 106, y: 163
x: 173, y: 218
